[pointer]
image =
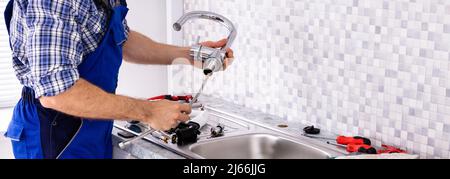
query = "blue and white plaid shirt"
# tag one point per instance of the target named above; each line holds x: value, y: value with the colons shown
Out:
x: 51, y: 38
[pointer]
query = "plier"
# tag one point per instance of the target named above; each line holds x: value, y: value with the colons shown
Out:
x: 186, y: 98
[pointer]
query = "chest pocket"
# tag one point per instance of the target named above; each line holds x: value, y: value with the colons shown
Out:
x: 92, y: 23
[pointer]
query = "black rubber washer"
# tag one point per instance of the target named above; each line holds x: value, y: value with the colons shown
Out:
x: 311, y: 130
x: 126, y: 135
x: 135, y: 128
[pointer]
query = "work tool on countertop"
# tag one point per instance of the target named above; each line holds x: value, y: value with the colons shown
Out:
x: 390, y: 150
x: 353, y: 148
x: 186, y: 98
x: 163, y: 137
x: 217, y: 131
x: 127, y: 142
x: 343, y: 140
x: 132, y: 127
x: 381, y: 156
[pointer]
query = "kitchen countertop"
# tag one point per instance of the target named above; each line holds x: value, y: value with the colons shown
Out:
x: 146, y: 150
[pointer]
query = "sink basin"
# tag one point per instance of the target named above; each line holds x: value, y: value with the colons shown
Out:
x: 257, y: 146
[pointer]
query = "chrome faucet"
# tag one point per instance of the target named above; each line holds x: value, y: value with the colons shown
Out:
x: 212, y: 58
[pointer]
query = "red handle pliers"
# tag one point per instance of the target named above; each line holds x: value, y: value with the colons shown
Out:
x: 186, y: 98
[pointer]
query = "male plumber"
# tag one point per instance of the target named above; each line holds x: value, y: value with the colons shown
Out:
x: 67, y: 55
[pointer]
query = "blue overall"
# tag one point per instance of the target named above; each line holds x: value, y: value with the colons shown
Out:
x: 37, y: 132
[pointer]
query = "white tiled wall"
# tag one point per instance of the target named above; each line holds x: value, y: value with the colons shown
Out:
x: 378, y: 68
x: 147, y: 17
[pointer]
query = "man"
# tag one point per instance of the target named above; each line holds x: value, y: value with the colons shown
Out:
x: 67, y: 54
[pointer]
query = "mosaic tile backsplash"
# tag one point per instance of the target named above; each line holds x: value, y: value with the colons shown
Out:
x: 377, y: 68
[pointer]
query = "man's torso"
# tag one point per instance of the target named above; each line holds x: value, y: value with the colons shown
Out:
x: 82, y: 22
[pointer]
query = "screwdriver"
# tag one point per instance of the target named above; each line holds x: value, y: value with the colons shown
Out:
x: 343, y: 140
x: 361, y: 148
x: 123, y: 144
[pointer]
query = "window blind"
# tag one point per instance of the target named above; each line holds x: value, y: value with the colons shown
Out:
x: 9, y: 85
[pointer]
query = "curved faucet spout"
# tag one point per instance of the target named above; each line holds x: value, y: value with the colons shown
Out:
x: 209, y: 16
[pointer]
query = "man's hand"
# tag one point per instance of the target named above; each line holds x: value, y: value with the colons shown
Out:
x: 140, y: 49
x: 219, y: 44
x: 165, y: 115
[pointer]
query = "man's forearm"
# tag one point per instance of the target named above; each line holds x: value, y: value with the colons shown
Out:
x: 142, y: 50
x: 88, y: 101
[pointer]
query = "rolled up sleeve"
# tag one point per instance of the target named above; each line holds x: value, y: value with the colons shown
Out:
x: 54, y: 47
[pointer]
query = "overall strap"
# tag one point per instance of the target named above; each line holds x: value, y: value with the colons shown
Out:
x: 8, y: 14
x: 123, y: 3
x: 108, y: 4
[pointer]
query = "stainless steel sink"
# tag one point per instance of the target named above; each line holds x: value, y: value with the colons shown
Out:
x: 257, y: 146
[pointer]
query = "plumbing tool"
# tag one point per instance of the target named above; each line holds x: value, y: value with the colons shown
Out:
x: 126, y: 143
x: 187, y: 98
x: 390, y: 149
x: 353, y: 148
x: 343, y: 140
x: 217, y: 131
